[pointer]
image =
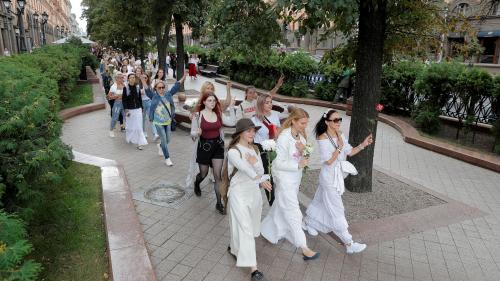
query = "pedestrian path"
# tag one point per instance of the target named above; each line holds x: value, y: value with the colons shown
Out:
x: 189, y: 243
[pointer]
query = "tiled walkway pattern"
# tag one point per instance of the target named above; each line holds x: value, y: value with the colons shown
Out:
x: 190, y: 243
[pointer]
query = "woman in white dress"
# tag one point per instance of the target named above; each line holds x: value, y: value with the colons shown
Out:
x: 245, y: 173
x: 326, y: 212
x: 269, y: 121
x: 132, y: 104
x: 284, y: 219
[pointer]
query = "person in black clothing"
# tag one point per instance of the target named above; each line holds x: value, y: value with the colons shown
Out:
x: 173, y: 63
x: 132, y: 104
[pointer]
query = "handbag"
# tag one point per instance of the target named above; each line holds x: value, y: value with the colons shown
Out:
x: 273, y: 130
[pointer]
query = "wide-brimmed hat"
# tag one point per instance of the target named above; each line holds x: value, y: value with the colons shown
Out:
x: 244, y: 124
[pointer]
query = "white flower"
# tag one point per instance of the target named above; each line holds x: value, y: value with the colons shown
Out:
x: 191, y: 102
x: 269, y: 145
x: 308, y: 150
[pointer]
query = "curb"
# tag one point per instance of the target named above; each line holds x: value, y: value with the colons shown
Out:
x: 409, y: 133
x: 128, y: 255
x: 82, y: 109
x: 126, y: 246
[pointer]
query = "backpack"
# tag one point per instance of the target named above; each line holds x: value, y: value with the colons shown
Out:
x: 226, y: 178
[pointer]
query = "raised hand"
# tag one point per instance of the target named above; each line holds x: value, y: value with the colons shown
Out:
x: 368, y: 140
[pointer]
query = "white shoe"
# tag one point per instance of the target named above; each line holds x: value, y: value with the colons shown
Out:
x: 355, y: 248
x: 140, y: 147
x: 155, y: 137
x: 169, y: 162
x: 310, y: 230
x: 160, y: 152
x: 111, y: 134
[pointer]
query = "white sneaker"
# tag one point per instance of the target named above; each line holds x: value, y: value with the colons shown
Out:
x: 140, y: 147
x: 155, y: 137
x: 169, y: 162
x: 111, y: 134
x: 355, y: 248
x: 160, y: 152
x: 310, y: 230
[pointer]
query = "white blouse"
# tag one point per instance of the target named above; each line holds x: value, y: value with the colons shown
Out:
x: 246, y: 172
x: 263, y: 133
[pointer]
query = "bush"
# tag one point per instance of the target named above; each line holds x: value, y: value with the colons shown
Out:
x: 297, y: 88
x: 427, y: 119
x: 496, y: 126
x: 32, y: 154
x: 13, y: 249
x: 437, y: 82
x: 398, y: 92
x: 327, y: 89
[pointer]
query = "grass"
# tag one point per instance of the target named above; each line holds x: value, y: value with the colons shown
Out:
x: 82, y: 94
x: 68, y: 232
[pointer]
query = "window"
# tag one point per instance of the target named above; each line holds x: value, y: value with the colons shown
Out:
x: 462, y: 8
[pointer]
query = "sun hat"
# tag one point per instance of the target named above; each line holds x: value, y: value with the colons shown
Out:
x: 242, y: 125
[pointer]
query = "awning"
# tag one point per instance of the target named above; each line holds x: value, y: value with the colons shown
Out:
x: 493, y: 33
x: 455, y: 35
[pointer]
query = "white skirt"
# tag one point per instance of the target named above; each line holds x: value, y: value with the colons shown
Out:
x: 133, y: 126
x: 245, y: 209
x: 284, y: 219
x: 326, y: 213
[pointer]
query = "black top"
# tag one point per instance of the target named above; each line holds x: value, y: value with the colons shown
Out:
x: 132, y: 97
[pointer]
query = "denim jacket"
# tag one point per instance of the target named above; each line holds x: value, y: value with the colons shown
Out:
x: 155, y: 100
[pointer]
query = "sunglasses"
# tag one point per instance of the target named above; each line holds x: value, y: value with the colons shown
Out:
x: 159, y: 88
x: 336, y: 120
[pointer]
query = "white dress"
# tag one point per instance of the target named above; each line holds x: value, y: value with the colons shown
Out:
x: 326, y: 211
x: 245, y: 205
x: 284, y: 219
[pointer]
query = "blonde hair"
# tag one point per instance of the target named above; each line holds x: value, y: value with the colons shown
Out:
x: 261, y: 100
x: 204, y: 87
x: 296, y: 114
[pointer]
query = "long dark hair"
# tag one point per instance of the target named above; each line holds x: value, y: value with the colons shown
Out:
x: 321, y: 126
x: 164, y: 75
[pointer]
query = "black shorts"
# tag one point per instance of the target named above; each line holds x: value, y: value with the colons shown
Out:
x: 209, y: 149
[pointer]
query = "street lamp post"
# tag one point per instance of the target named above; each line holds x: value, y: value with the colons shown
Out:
x: 20, y: 12
x: 57, y: 32
x: 7, y: 6
x: 35, y: 27
x: 45, y: 18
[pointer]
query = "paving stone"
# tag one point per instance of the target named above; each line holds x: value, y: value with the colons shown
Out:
x: 190, y: 242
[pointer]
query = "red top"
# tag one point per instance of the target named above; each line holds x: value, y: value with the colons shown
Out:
x: 210, y: 130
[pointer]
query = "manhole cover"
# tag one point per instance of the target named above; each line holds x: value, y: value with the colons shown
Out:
x: 167, y: 193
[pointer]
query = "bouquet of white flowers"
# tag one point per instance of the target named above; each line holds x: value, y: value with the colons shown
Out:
x: 190, y: 104
x: 308, y: 150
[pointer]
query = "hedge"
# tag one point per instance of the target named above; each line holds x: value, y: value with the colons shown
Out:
x: 32, y: 156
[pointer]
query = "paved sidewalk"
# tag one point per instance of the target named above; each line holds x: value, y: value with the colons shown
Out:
x: 190, y: 243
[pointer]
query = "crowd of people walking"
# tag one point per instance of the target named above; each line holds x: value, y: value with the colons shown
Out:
x: 138, y: 99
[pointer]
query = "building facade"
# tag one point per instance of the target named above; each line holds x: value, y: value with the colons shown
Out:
x: 28, y: 24
x: 484, y: 20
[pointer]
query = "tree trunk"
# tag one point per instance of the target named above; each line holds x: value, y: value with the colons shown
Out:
x: 179, y: 38
x: 142, y: 54
x: 162, y: 43
x: 369, y: 59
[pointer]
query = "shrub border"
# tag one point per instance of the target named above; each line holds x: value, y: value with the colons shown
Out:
x: 409, y: 133
x: 126, y: 247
